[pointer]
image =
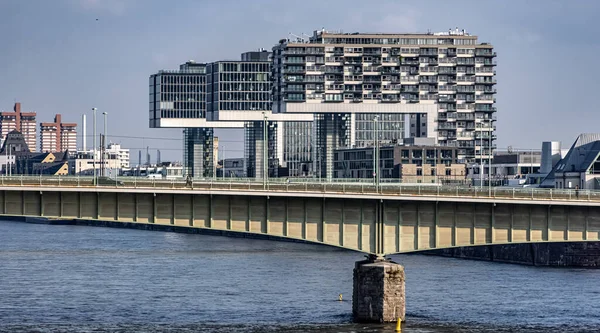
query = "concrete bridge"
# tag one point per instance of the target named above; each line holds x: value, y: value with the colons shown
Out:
x: 377, y: 220
x: 382, y: 220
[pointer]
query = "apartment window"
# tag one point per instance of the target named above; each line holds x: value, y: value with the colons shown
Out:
x: 419, y: 172
x: 448, y: 172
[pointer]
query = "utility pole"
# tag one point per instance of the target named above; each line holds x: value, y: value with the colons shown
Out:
x: 94, y: 151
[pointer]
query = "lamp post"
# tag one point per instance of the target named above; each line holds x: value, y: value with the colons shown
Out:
x: 265, y: 153
x: 104, y: 146
x: 9, y: 169
x: 94, y: 151
x: 375, y: 152
x: 223, y: 156
x: 490, y: 159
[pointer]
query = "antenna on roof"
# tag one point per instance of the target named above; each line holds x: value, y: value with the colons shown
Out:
x: 298, y: 38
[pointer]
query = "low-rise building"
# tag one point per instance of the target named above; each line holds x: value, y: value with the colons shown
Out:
x: 84, y: 163
x: 410, y: 164
x: 507, y: 168
x: 580, y: 168
x: 171, y: 170
x: 232, y: 167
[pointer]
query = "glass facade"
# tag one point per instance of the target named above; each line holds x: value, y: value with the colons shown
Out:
x: 198, y: 152
x: 297, y: 147
x: 178, y: 94
x: 238, y: 86
x: 390, y: 128
x: 254, y: 148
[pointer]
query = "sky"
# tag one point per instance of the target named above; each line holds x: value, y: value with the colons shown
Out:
x: 67, y: 56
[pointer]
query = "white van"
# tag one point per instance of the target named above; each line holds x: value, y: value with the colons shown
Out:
x: 154, y: 176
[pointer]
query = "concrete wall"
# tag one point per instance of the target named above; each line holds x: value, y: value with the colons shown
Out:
x: 381, y: 226
x: 576, y: 254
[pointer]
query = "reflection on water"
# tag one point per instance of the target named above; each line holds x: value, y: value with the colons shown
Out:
x: 86, y: 279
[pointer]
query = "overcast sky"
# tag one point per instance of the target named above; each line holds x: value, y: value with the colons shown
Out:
x: 67, y: 56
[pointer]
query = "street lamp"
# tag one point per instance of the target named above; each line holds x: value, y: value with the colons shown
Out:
x: 223, y: 157
x: 94, y: 151
x: 265, y: 154
x: 375, y: 152
x: 104, y: 146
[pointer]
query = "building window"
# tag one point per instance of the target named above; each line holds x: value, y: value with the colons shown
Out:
x: 419, y: 172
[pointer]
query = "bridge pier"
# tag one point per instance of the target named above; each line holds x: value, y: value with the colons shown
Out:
x: 378, y: 293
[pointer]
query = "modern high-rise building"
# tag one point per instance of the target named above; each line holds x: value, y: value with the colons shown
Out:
x: 58, y: 136
x: 333, y: 90
x: 226, y: 94
x: 23, y: 122
x: 358, y: 84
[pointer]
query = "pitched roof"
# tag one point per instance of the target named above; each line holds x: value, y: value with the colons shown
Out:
x: 583, y: 153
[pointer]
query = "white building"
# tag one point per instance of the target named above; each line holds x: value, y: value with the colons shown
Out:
x: 115, y: 159
x: 122, y: 154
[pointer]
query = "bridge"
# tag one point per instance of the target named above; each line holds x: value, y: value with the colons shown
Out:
x: 378, y: 220
x: 385, y: 219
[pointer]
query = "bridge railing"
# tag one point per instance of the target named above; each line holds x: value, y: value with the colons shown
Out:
x: 293, y: 185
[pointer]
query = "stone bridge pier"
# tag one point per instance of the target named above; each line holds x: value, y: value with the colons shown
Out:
x: 378, y: 293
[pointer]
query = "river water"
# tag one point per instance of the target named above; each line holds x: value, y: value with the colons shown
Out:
x: 91, y: 279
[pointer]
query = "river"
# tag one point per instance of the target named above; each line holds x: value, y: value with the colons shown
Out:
x: 92, y: 279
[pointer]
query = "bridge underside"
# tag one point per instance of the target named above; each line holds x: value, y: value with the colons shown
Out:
x: 377, y: 226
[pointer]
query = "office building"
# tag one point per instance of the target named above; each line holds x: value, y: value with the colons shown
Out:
x: 405, y: 163
x: 416, y: 80
x: 178, y: 100
x: 23, y: 122
x: 58, y: 136
x: 227, y: 94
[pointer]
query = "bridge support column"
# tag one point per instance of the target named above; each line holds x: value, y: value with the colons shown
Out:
x: 378, y: 293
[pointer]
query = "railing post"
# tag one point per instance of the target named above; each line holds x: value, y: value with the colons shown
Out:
x: 550, y: 194
x: 513, y: 190
x: 21, y: 179
x: 569, y: 194
x: 494, y: 193
x: 457, y: 191
x: 419, y: 189
x: 589, y: 195
x: 532, y: 193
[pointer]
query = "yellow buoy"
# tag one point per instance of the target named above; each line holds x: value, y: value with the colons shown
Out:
x: 399, y: 325
x: 340, y: 298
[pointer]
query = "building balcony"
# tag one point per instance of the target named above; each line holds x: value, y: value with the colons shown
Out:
x: 484, y: 108
x: 485, y: 53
